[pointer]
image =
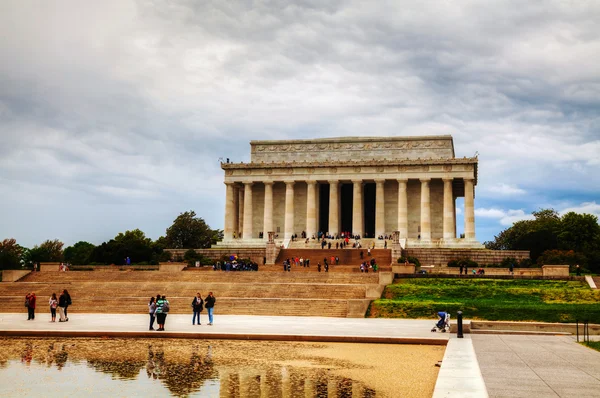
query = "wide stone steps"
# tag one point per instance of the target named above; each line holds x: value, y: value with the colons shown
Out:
x: 182, y: 305
x: 243, y: 293
x: 597, y: 281
x: 244, y: 277
x: 187, y: 289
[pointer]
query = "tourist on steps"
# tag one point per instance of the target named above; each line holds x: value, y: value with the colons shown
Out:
x: 162, y: 308
x: 53, y: 302
x: 30, y: 304
x: 151, y: 311
x: 197, y: 306
x: 68, y: 302
x: 209, y: 303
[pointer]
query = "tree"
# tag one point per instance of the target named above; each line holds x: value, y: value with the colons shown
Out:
x: 133, y: 244
x: 579, y: 232
x: 48, y: 251
x: 191, y: 232
x: 10, y: 254
x: 79, y: 253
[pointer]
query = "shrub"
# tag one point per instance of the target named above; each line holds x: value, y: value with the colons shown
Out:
x: 507, y: 261
x: 562, y: 257
x: 411, y: 260
x: 526, y: 263
x: 464, y: 262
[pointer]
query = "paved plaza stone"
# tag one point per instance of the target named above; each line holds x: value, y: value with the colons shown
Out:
x: 537, y: 366
x: 478, y: 365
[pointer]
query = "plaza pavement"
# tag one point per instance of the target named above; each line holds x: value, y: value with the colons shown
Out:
x: 475, y: 366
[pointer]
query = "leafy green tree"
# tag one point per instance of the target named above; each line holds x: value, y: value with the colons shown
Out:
x: 48, y: 251
x: 191, y: 232
x: 10, y: 254
x: 79, y: 253
x: 133, y: 244
x: 579, y: 232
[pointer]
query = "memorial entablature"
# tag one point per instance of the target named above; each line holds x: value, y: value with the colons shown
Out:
x: 368, y: 186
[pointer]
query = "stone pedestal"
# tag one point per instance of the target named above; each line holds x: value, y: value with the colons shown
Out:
x: 271, y: 249
x: 555, y: 270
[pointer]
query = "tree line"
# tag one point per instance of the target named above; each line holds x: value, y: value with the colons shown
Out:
x: 553, y: 239
x: 187, y: 232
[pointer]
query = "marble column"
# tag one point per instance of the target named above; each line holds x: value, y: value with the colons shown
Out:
x: 229, y: 210
x: 448, y: 222
x: 268, y: 217
x: 334, y: 210
x: 240, y: 210
x: 379, y: 208
x: 311, y: 208
x: 247, y: 234
x: 403, y: 208
x: 469, y: 209
x: 357, y: 208
x: 425, y: 210
x: 289, y: 209
x: 236, y: 211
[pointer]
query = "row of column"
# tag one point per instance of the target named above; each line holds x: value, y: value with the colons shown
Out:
x: 242, y: 204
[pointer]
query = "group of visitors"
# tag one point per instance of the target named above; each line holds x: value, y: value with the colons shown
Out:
x: 61, y: 303
x: 159, y: 307
x: 235, y: 265
x: 366, y: 265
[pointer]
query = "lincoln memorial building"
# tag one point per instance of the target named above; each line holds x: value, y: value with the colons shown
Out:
x: 367, y: 186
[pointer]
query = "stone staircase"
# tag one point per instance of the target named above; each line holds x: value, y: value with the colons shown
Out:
x: 350, y: 259
x: 247, y: 293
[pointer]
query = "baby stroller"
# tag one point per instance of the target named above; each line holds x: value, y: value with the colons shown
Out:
x: 443, y: 325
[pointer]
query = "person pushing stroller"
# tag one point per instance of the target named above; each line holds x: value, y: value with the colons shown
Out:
x: 443, y: 323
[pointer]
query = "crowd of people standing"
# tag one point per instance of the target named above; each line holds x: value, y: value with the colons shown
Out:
x: 61, y: 303
x: 159, y: 307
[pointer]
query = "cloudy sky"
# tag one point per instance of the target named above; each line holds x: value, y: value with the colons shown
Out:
x: 113, y: 114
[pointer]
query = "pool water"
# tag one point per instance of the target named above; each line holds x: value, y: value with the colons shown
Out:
x: 186, y: 368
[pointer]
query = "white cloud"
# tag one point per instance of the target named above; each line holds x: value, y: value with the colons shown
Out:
x: 138, y: 99
x: 586, y: 207
x: 505, y: 217
x: 506, y: 189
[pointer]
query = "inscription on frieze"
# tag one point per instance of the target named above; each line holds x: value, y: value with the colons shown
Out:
x: 352, y: 149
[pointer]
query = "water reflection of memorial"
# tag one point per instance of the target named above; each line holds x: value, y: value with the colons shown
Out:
x: 184, y: 367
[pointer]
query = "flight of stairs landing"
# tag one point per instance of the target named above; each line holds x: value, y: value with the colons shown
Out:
x: 241, y: 293
x: 350, y: 259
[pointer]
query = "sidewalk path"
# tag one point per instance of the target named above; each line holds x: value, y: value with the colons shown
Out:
x: 365, y: 330
x: 537, y: 366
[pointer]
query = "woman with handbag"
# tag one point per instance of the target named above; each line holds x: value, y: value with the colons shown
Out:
x: 197, y: 306
x: 53, y: 304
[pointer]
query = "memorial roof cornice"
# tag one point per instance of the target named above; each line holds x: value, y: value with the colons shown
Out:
x: 374, y: 162
x: 351, y: 139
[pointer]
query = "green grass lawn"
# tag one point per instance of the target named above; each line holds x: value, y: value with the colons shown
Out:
x: 490, y: 299
x: 593, y: 344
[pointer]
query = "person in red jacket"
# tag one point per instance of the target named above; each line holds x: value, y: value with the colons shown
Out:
x: 30, y: 302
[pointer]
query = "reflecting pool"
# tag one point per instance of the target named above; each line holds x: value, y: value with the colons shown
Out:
x: 214, y: 368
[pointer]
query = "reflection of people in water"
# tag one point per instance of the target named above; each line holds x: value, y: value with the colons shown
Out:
x: 180, y: 378
x: 27, y: 354
x: 61, y: 357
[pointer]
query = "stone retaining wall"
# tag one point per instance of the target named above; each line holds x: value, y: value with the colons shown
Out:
x: 442, y: 256
x: 257, y: 255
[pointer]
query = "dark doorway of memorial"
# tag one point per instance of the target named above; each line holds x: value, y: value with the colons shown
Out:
x: 369, y: 209
x: 323, y: 208
x: 346, y: 194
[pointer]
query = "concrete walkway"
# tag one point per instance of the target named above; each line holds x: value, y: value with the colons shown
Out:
x: 478, y: 365
x: 537, y: 366
x: 246, y: 327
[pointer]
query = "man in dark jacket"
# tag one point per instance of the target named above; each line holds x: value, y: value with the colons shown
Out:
x: 197, y: 305
x: 209, y: 303
x: 62, y: 303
